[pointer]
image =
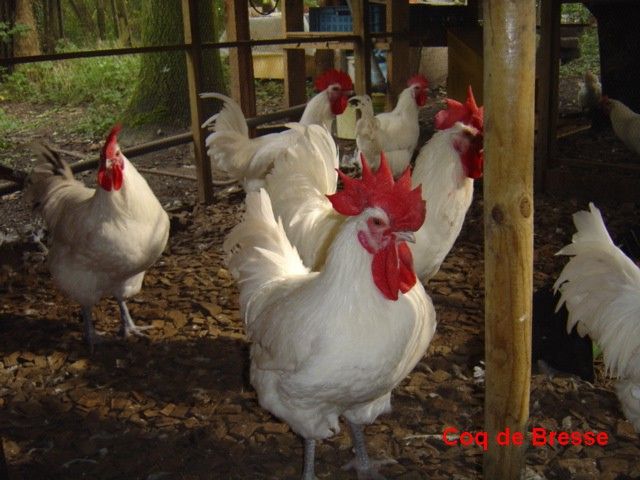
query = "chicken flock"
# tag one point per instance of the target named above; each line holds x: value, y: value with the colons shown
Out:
x: 330, y: 267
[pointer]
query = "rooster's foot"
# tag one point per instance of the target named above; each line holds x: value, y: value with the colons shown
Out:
x: 128, y: 328
x: 369, y: 472
x: 89, y: 332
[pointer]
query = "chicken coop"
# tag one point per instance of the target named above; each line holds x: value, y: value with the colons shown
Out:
x: 502, y: 390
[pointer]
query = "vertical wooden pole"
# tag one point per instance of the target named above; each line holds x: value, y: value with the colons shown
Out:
x: 548, y: 88
x: 241, y: 80
x: 294, y: 61
x: 362, y: 49
x: 398, y: 56
x: 194, y: 82
x: 509, y: 65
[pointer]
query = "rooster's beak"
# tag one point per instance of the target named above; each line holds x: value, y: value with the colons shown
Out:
x: 406, y: 237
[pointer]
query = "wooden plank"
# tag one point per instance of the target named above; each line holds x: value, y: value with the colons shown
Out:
x: 547, y: 90
x: 398, y: 54
x: 294, y: 64
x: 362, y: 49
x: 509, y: 59
x: 194, y: 82
x: 241, y: 81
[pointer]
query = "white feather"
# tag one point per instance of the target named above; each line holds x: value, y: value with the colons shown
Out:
x: 298, y: 186
x: 248, y: 160
x: 600, y: 287
x: 448, y: 193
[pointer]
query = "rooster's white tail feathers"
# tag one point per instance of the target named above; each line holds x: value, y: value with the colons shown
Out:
x: 259, y: 251
x: 601, y: 288
x: 228, y: 146
x: 298, y: 186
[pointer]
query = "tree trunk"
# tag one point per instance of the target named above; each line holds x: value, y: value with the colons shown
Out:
x: 84, y: 16
x: 121, y: 21
x: 101, y: 19
x: 27, y: 42
x: 114, y: 12
x: 161, y: 94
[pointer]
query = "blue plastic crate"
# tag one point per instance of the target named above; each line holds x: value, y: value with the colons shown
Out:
x: 338, y: 19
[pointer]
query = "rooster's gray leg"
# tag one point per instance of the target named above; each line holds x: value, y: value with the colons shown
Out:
x: 308, y: 472
x: 366, y: 468
x: 90, y: 334
x: 129, y: 328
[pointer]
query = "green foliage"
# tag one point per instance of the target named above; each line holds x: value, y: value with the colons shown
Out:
x: 6, y: 31
x: 105, y: 83
x: 575, y: 13
x: 589, y: 56
x: 8, y: 125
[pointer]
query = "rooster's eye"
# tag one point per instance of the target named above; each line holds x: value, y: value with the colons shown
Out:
x: 377, y: 222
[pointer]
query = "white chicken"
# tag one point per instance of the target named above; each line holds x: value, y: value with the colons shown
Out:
x: 103, y: 239
x: 625, y: 123
x: 446, y: 167
x: 248, y: 160
x: 396, y: 132
x: 600, y: 287
x: 336, y: 342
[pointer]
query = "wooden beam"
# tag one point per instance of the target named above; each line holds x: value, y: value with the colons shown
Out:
x: 241, y: 80
x: 509, y: 41
x: 194, y: 82
x: 362, y: 49
x: 398, y: 55
x: 548, y: 90
x: 294, y: 61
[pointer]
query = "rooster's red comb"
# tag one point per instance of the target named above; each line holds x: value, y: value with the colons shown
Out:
x: 405, y: 207
x: 468, y: 113
x: 333, y: 76
x: 108, y: 150
x: 418, y: 80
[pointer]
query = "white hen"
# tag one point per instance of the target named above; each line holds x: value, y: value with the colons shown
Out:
x: 248, y: 160
x: 446, y: 168
x: 396, y: 132
x: 336, y: 342
x: 601, y: 289
x: 625, y: 123
x: 103, y: 239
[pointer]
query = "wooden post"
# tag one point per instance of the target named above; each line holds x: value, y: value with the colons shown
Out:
x: 547, y: 96
x: 294, y: 61
x: 509, y: 65
x: 398, y: 55
x: 241, y: 81
x: 362, y: 49
x: 194, y: 82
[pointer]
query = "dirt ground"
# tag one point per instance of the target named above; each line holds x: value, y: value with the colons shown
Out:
x: 178, y: 405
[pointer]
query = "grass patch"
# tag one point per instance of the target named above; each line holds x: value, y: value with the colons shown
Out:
x: 104, y: 84
x: 8, y: 125
x: 589, y: 56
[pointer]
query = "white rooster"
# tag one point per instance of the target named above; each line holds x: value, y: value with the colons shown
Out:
x: 601, y: 288
x: 396, y: 132
x: 446, y: 167
x: 248, y: 160
x: 336, y: 342
x: 103, y: 239
x: 625, y: 123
